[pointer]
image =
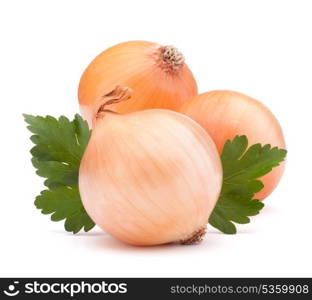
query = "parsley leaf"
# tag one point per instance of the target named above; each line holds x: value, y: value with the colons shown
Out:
x: 65, y: 203
x: 59, y: 146
x: 241, y: 168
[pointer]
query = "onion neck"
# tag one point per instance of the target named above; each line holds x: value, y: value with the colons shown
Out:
x: 169, y: 59
x: 195, y: 238
x: 118, y: 94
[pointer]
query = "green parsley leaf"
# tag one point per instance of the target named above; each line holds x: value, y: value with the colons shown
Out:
x: 59, y: 146
x: 241, y: 168
x: 64, y: 203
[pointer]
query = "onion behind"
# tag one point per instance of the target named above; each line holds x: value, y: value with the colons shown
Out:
x: 157, y: 75
x: 225, y: 114
x: 149, y: 177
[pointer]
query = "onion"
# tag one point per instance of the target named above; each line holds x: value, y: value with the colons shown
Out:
x: 225, y: 114
x: 149, y: 177
x: 157, y: 74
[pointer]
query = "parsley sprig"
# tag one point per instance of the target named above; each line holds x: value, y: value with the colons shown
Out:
x: 59, y: 146
x: 241, y: 169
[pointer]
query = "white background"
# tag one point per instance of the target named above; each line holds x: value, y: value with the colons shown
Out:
x: 261, y: 48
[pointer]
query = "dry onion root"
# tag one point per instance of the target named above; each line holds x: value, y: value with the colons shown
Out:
x: 225, y: 114
x: 157, y: 75
x: 149, y: 177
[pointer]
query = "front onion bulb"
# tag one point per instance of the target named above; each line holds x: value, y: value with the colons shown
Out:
x: 149, y: 177
x: 157, y: 75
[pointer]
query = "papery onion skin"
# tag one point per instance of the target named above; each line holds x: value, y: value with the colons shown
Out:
x: 158, y: 79
x: 150, y: 177
x: 225, y: 114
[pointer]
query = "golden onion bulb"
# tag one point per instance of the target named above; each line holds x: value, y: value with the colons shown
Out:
x: 157, y: 75
x: 225, y: 114
x: 149, y: 177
